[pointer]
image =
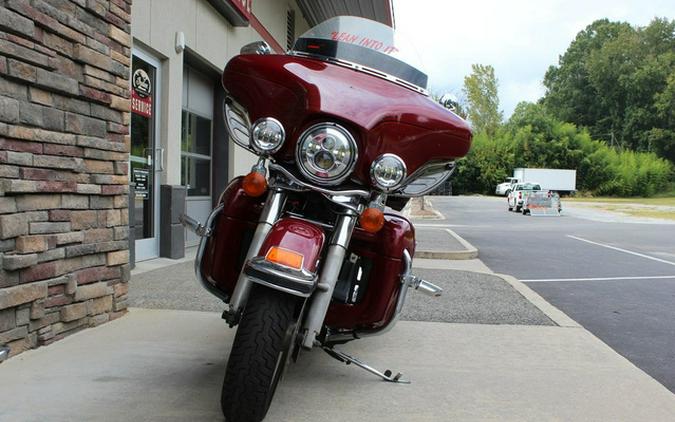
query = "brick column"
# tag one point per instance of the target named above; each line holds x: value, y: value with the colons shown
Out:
x: 64, y: 151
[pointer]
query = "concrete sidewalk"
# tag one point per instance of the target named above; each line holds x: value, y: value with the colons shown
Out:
x: 490, y: 349
x: 168, y: 366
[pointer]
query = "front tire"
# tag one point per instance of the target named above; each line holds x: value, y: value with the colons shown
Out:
x: 259, y: 354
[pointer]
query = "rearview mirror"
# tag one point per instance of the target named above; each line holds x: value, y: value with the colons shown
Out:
x: 257, y: 47
x: 449, y: 101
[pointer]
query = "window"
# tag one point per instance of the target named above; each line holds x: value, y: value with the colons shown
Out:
x: 290, y: 29
x: 196, y: 154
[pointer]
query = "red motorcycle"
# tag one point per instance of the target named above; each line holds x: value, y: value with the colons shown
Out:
x: 307, y: 249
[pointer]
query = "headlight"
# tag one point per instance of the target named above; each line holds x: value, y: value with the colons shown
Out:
x: 267, y: 135
x: 387, y: 172
x: 326, y: 153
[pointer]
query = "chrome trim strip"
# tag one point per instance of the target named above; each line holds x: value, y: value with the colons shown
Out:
x: 278, y: 287
x: 237, y: 123
x: 296, y: 282
x: 200, y: 255
x: 432, y: 170
x: 361, y: 68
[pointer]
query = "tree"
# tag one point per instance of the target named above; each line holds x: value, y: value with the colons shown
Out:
x: 481, y: 91
x: 570, y: 94
x: 614, y: 79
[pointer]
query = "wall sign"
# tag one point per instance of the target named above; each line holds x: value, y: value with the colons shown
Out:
x: 141, y: 183
x: 141, y: 93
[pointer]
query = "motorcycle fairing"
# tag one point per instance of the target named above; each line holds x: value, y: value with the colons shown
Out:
x: 383, y: 117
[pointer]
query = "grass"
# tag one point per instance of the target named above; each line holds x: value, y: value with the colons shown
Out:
x: 661, y: 206
x: 665, y: 200
x: 642, y: 212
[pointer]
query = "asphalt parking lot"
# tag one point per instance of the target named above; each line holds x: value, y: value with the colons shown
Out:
x: 614, y: 277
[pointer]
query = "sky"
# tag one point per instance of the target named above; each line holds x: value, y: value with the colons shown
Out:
x: 519, y: 38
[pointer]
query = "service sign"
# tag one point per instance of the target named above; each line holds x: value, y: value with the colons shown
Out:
x: 141, y: 93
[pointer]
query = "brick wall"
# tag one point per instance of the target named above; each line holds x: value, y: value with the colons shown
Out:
x: 64, y: 142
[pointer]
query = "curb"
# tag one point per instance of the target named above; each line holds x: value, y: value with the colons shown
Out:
x: 430, y: 214
x: 555, y: 314
x: 469, y: 252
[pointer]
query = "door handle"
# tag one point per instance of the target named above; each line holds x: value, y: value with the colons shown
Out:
x: 160, y: 159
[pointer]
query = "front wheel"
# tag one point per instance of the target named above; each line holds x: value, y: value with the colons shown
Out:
x: 259, y: 354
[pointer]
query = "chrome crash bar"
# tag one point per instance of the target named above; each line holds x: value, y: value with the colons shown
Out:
x: 204, y: 232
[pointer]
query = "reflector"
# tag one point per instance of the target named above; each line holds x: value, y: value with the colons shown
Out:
x: 285, y: 257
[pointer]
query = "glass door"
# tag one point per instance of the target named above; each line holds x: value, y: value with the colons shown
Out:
x: 143, y: 163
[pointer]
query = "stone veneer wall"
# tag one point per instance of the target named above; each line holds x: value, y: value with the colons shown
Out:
x: 64, y: 142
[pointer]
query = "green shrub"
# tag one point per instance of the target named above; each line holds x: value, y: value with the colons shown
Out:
x: 533, y: 138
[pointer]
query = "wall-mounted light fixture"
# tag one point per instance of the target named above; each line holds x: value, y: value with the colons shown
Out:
x: 180, y: 42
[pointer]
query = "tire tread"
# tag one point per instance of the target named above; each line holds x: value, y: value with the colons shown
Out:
x: 252, y: 361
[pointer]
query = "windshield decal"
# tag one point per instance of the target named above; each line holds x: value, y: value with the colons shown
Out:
x: 371, y: 43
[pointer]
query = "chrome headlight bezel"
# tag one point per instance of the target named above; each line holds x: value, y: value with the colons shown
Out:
x: 401, y: 172
x: 279, y: 134
x: 309, y: 169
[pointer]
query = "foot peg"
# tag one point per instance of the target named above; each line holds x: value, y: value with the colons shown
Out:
x: 429, y: 289
x: 4, y: 353
x: 423, y: 286
x: 194, y: 226
x: 346, y: 359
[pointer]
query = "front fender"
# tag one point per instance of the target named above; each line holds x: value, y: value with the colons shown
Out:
x: 298, y: 239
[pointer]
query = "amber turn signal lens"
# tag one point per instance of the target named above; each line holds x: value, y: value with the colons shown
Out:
x: 372, y: 220
x: 285, y: 257
x: 255, y: 184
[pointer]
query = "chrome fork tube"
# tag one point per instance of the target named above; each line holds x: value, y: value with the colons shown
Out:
x: 328, y: 278
x: 270, y: 214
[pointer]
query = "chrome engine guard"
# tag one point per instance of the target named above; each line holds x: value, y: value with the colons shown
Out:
x: 204, y: 232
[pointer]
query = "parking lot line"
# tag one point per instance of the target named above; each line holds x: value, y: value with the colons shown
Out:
x: 656, y: 277
x: 622, y: 250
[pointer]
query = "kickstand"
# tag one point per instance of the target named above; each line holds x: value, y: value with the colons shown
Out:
x: 346, y: 359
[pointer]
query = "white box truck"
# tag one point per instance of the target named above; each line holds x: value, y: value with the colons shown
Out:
x: 561, y: 181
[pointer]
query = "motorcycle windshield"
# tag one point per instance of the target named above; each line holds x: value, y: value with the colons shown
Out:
x: 368, y: 44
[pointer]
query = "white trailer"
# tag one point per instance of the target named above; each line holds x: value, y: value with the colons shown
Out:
x: 558, y: 180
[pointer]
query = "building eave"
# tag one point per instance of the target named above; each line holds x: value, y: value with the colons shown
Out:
x: 317, y: 11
